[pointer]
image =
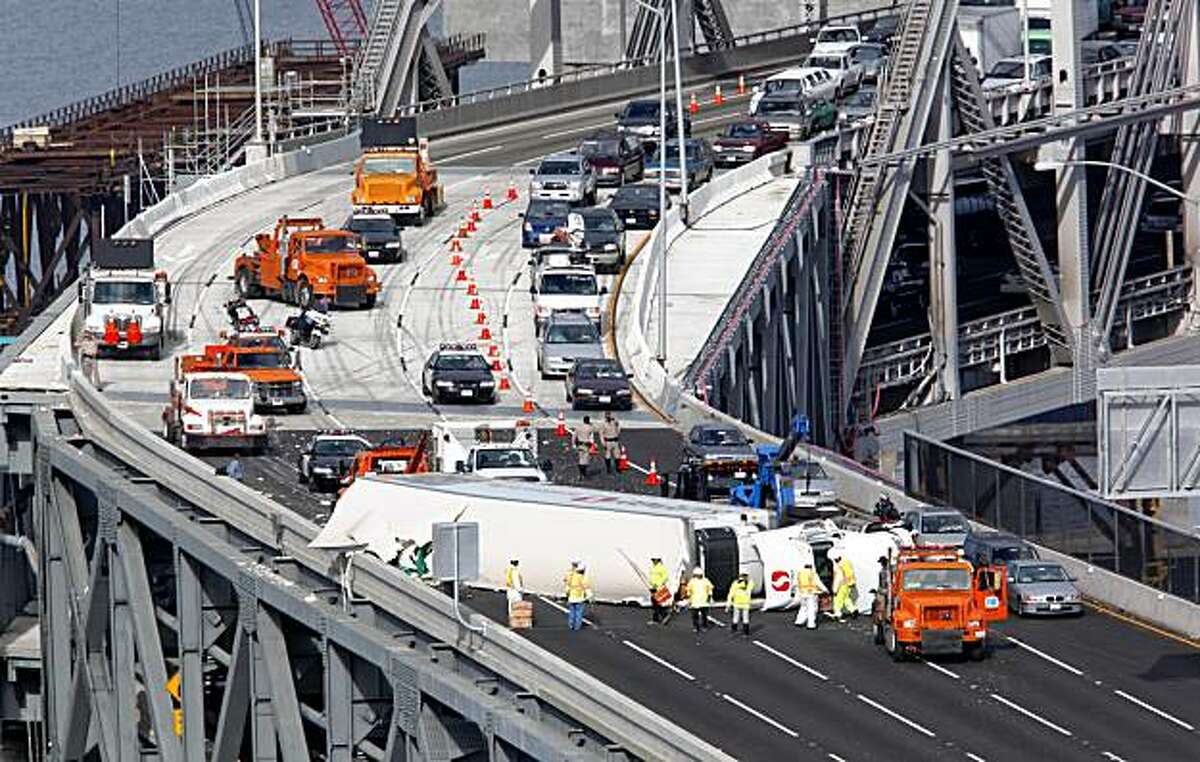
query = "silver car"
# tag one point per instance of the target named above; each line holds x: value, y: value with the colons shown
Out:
x: 568, y: 336
x: 700, y: 164
x: 564, y: 177
x: 1042, y: 587
x: 936, y: 527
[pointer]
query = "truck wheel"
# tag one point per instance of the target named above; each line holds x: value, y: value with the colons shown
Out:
x: 370, y: 302
x: 304, y: 294
x: 245, y: 286
x: 892, y: 647
x: 169, y: 432
x: 978, y: 652
x: 314, y: 341
x: 878, y: 634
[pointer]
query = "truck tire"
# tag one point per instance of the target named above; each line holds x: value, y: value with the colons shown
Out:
x: 893, y: 648
x: 979, y: 652
x: 369, y: 303
x: 878, y: 631
x: 245, y: 284
x: 169, y: 433
x: 304, y: 294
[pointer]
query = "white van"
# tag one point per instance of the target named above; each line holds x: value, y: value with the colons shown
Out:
x: 801, y: 81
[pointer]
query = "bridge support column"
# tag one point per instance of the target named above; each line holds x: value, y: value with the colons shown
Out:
x: 943, y: 257
x: 545, y: 37
x: 1189, y: 144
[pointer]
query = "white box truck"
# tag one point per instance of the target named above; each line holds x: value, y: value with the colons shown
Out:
x: 990, y: 33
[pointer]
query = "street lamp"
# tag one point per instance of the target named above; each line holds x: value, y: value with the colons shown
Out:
x: 1046, y: 165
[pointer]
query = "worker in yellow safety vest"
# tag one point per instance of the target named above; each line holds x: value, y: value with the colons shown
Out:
x: 845, y: 590
x: 660, y: 594
x: 579, y: 592
x: 514, y: 584
x: 809, y: 588
x: 699, y: 595
x: 739, y: 602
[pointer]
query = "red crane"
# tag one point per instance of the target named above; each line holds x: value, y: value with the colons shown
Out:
x: 345, y: 21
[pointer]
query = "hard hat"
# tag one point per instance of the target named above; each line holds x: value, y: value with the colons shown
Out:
x: 697, y: 572
x: 576, y: 563
x: 655, y: 558
x: 514, y: 561
x: 581, y: 566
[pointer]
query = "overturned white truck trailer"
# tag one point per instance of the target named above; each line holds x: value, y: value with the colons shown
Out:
x: 548, y: 526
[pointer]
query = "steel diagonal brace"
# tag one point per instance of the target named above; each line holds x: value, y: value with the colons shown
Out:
x: 1136, y: 452
x: 288, y: 728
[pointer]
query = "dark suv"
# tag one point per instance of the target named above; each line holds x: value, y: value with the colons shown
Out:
x: 616, y: 158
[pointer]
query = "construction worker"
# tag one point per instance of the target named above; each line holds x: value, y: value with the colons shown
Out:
x: 699, y: 595
x: 514, y: 585
x: 89, y: 358
x: 809, y: 587
x: 579, y: 592
x: 584, y: 440
x: 845, y: 591
x: 610, y: 435
x: 738, y: 601
x: 658, y: 579
x: 879, y: 606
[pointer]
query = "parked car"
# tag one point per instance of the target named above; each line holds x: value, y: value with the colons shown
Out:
x: 746, y: 141
x: 380, y: 237
x: 836, y: 39
x: 598, y: 383
x: 883, y: 31
x: 700, y: 163
x: 568, y: 336
x: 846, y: 73
x: 858, y: 105
x: 872, y: 57
x: 564, y: 177
x: 933, y: 526
x: 797, y: 82
x: 1042, y: 587
x: 995, y: 548
x: 799, y: 118
x: 616, y: 158
x: 637, y: 205
x: 541, y: 218
x: 1010, y: 71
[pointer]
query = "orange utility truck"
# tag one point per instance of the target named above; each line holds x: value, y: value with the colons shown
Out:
x: 277, y: 385
x: 394, y: 175
x: 936, y: 602
x: 301, y: 260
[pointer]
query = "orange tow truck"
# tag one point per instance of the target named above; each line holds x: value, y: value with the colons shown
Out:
x: 301, y: 260
x: 390, y: 458
x: 935, y: 602
x: 395, y: 175
x: 277, y: 385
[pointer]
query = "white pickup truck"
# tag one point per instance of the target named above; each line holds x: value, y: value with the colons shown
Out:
x: 492, y: 449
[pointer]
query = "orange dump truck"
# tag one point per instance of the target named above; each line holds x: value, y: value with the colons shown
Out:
x: 277, y: 385
x: 302, y: 260
x: 935, y: 602
x: 394, y: 175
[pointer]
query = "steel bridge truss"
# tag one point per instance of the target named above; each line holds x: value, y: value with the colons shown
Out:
x: 168, y: 633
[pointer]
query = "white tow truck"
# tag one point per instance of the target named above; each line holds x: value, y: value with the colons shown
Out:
x: 123, y: 300
x: 212, y: 410
x: 490, y: 449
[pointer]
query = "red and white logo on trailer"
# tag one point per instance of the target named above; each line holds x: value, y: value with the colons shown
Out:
x: 781, y: 580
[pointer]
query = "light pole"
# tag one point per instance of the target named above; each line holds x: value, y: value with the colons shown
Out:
x: 258, y: 130
x: 1046, y: 165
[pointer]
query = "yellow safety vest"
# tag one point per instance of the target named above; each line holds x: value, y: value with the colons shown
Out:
x: 658, y: 576
x: 577, y: 587
x: 847, y: 572
x: 512, y: 578
x: 739, y: 595
x: 808, y: 582
x: 699, y: 592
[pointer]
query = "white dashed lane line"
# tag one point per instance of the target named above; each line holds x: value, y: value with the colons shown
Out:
x: 659, y: 660
x: 1032, y: 715
x: 1056, y: 662
x: 1155, y: 710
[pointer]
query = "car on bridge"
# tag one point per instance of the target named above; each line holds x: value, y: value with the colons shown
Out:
x: 458, y: 373
x: 566, y: 177
x: 722, y: 455
x: 379, y: 236
x: 700, y: 165
x: 637, y: 205
x: 858, y: 105
x: 598, y: 383
x: 641, y: 119
x: 936, y: 527
x: 328, y: 458
x: 569, y: 336
x: 836, y: 39
x: 798, y: 118
x: 744, y: 142
x: 603, y: 239
x: 541, y: 218
x: 1042, y: 587
x: 797, y: 82
x: 846, y: 72
x: 617, y: 158
x: 883, y: 31
x: 1011, y: 71
x: 873, y: 59
x: 559, y: 288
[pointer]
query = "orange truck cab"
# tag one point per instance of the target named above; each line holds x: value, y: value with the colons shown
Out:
x: 277, y: 385
x: 936, y: 602
x: 389, y: 458
x: 302, y: 260
x: 395, y: 175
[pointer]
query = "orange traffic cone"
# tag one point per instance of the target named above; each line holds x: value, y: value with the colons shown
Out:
x: 496, y: 365
x: 623, y: 460
x: 717, y: 97
x: 461, y: 277
x: 487, y: 199
x: 475, y: 215
x: 480, y: 318
x: 455, y: 244
x: 694, y: 105
x: 652, y: 479
x: 485, y: 334
x: 527, y: 407
x: 493, y: 351
x: 504, y: 385
x: 741, y: 85
x: 471, y: 290
x: 456, y: 260
x: 561, y: 429
x: 474, y: 304
x: 471, y: 223
x: 512, y: 191
x: 463, y: 232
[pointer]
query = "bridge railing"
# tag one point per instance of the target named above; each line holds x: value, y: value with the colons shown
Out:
x: 1087, y: 527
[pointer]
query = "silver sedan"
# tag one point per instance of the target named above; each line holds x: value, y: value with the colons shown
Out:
x: 1042, y: 587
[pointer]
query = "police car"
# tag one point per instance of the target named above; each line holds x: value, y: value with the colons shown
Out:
x: 328, y: 458
x: 458, y: 373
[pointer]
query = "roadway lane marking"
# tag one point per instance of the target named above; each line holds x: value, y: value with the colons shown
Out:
x: 1155, y: 710
x: 752, y: 711
x: 897, y: 716
x: 941, y: 669
x: 835, y: 757
x: 660, y: 661
x: 1110, y: 755
x: 585, y: 128
x: 563, y: 609
x: 974, y: 757
x: 1032, y: 715
x: 790, y: 660
x: 467, y: 154
x: 1046, y: 656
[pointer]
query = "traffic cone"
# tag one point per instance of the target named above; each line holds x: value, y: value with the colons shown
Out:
x: 487, y: 199
x: 527, y: 407
x: 471, y: 290
x: 456, y: 260
x: 474, y: 303
x: 623, y: 460
x: 493, y: 351
x: 480, y: 318
x: 694, y: 105
x: 461, y: 277
x: 561, y: 429
x: 455, y: 244
x: 592, y: 448
x: 471, y: 224
x: 475, y: 215
x: 462, y: 230
x: 504, y: 385
x: 512, y: 191
x: 741, y: 85
x: 717, y: 97
x: 485, y: 334
x: 652, y: 479
x: 496, y: 365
